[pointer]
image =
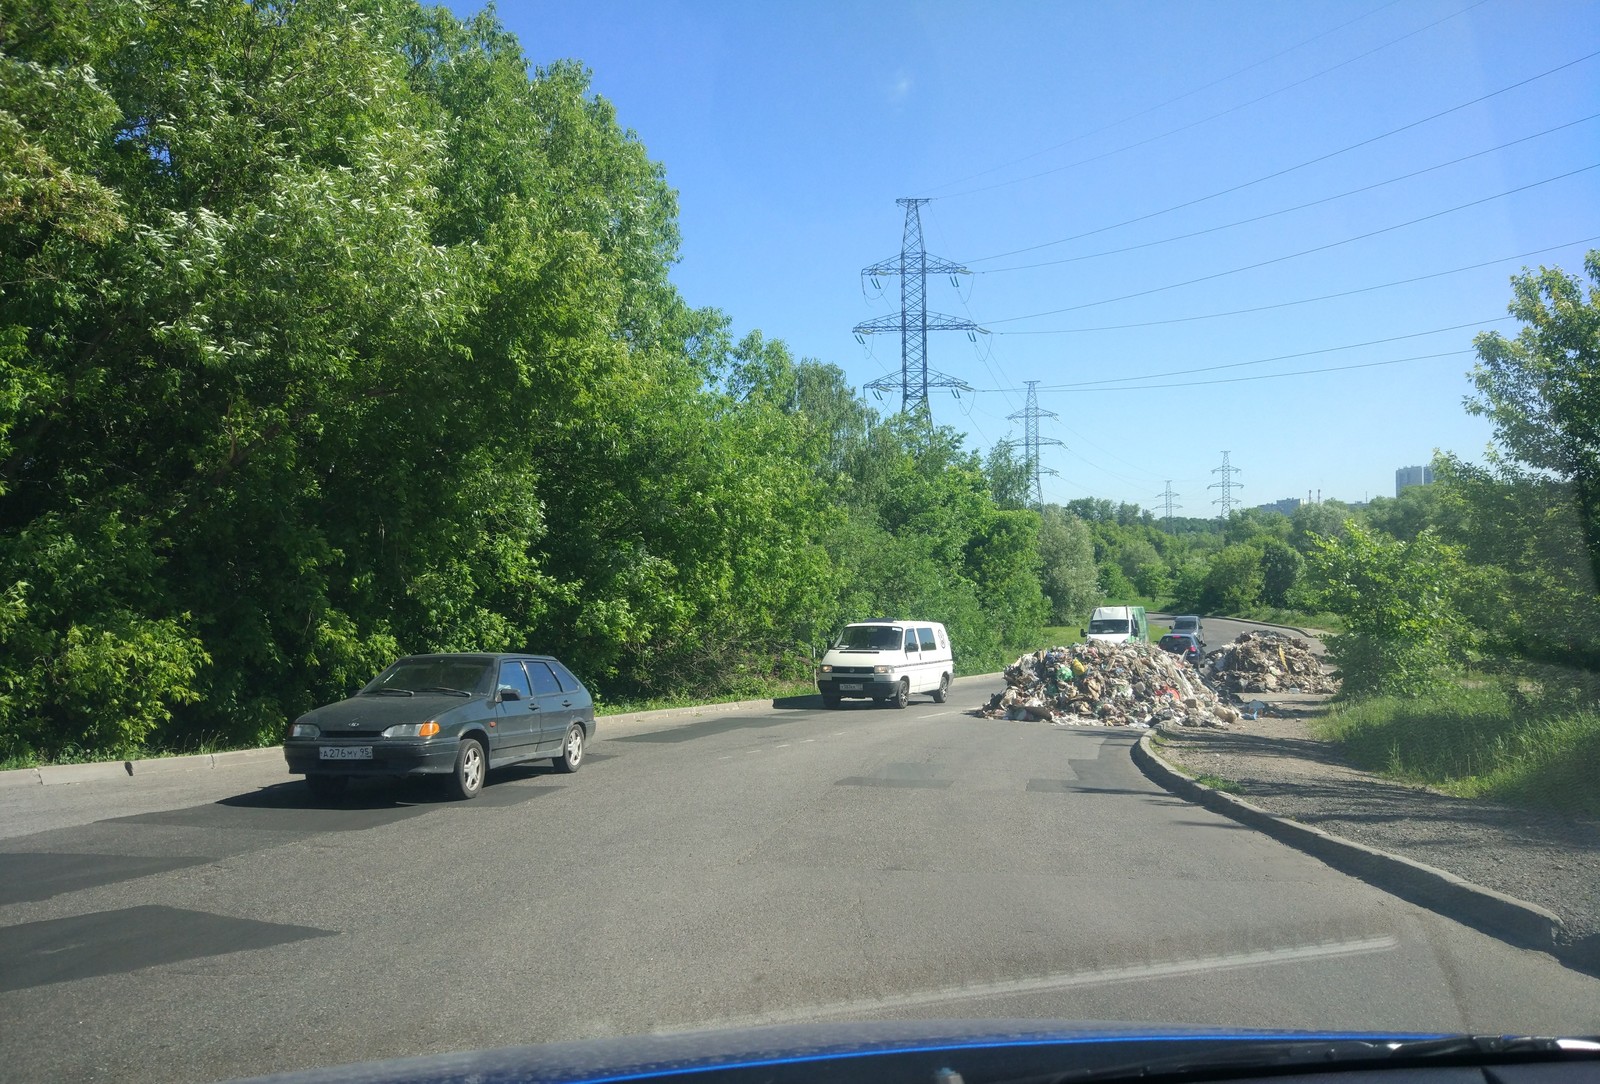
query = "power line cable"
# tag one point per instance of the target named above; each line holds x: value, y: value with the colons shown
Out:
x: 1285, y: 210
x: 1302, y: 252
x: 1288, y: 169
x: 1265, y: 361
x: 1213, y: 116
x: 1304, y: 300
x: 1086, y: 389
x: 1162, y: 105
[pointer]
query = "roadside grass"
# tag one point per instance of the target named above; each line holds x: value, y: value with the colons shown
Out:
x: 1216, y: 782
x: 72, y: 754
x: 1300, y: 619
x: 753, y: 690
x: 1474, y: 741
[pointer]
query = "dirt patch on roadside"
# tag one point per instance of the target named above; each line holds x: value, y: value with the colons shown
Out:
x: 1281, y: 766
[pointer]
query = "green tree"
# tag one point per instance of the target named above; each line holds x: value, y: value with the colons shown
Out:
x: 1541, y: 390
x: 1281, y: 566
x: 1234, y: 580
x: 1066, y: 556
x: 1403, y: 626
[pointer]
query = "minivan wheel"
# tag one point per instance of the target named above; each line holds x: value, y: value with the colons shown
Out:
x: 327, y: 786
x: 943, y: 690
x: 572, y: 752
x: 467, y: 780
x: 829, y: 700
x: 902, y: 693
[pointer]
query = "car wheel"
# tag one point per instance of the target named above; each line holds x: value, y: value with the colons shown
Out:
x: 327, y: 786
x: 572, y: 752
x: 471, y: 765
x: 902, y: 693
x: 829, y: 700
x: 943, y: 690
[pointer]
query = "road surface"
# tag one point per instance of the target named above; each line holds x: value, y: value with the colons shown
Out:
x: 774, y: 865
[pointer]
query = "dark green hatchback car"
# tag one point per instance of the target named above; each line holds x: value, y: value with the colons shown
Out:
x: 454, y: 715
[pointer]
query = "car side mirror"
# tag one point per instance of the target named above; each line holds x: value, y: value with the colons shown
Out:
x: 508, y: 693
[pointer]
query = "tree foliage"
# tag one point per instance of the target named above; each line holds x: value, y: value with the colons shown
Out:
x: 329, y: 332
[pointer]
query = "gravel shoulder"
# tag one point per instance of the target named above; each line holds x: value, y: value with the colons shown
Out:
x: 1281, y: 766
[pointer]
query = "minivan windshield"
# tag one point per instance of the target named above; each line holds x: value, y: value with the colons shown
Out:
x: 1107, y: 626
x: 869, y: 638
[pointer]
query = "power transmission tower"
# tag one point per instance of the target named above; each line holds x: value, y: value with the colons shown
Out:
x: 1227, y: 485
x: 914, y: 321
x: 1032, y: 441
x: 1168, y: 496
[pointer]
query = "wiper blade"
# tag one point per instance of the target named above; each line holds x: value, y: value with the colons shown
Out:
x: 388, y: 690
x: 443, y: 689
x: 1252, y: 1056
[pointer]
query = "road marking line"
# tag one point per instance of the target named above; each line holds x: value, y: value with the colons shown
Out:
x: 936, y: 714
x: 1045, y: 984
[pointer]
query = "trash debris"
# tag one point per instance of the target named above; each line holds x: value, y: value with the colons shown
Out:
x: 1263, y: 661
x: 1099, y: 684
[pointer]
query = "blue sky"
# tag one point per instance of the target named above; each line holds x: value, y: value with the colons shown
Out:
x: 1043, y: 129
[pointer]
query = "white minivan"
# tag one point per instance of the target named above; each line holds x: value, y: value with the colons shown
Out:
x: 887, y: 660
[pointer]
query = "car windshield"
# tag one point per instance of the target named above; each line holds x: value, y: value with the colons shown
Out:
x: 686, y: 341
x: 870, y: 638
x: 434, y: 675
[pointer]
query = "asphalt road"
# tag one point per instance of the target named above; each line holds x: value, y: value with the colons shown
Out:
x: 768, y: 866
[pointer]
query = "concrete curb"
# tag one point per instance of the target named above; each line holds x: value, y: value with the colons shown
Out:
x: 1484, y: 909
x: 100, y: 771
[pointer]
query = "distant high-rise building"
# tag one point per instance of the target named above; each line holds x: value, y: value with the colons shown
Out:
x: 1412, y: 476
x: 1286, y: 506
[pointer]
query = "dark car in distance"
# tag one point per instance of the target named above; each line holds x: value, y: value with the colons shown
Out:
x: 1185, y: 645
x: 450, y: 715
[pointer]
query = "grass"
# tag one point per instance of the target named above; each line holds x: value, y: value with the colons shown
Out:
x: 1216, y: 782
x: 755, y: 690
x: 1474, y: 740
x: 1300, y: 619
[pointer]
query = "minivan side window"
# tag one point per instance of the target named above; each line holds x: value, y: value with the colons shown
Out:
x: 927, y: 640
x: 911, y: 639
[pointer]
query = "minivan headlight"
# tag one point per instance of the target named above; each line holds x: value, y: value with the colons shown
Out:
x: 304, y: 730
x: 827, y: 668
x: 882, y: 669
x: 412, y: 730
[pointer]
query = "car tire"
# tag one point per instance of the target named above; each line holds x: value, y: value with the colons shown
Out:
x: 472, y: 765
x: 829, y: 700
x: 943, y: 691
x: 571, y: 757
x: 327, y: 786
x: 902, y: 693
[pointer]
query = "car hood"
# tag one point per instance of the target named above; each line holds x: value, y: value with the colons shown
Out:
x: 924, y: 1052
x: 368, y: 713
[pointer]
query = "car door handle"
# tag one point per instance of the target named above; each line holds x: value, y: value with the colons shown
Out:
x: 566, y: 703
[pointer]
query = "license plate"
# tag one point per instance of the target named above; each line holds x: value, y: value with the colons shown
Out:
x: 850, y: 686
x: 346, y: 752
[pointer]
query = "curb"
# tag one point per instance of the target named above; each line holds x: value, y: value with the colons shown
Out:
x: 101, y: 771
x: 1484, y: 909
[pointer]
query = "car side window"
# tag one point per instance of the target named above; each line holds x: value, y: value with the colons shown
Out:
x: 926, y: 635
x: 512, y: 677
x: 911, y: 639
x: 543, y: 680
x: 569, y: 684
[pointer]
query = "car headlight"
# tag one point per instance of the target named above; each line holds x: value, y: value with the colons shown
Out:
x: 412, y: 730
x: 827, y: 668
x: 304, y: 730
x: 882, y: 669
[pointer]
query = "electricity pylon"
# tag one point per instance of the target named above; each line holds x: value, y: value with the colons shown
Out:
x: 914, y: 321
x: 1168, y: 496
x: 1227, y: 485
x: 1032, y: 441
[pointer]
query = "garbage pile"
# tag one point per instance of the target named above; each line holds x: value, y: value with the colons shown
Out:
x: 1263, y: 661
x: 1096, y: 684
